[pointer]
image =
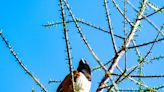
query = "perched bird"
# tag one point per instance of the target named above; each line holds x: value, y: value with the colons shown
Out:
x: 82, y: 79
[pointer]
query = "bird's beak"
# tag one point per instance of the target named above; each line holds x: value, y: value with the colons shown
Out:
x: 83, y: 61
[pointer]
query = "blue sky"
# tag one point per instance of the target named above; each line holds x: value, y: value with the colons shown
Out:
x: 42, y: 50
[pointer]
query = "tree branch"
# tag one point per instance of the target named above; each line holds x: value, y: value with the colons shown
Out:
x: 84, y: 38
x: 141, y: 76
x: 110, y: 26
x: 14, y: 54
x: 122, y: 51
x: 67, y: 44
x: 147, y: 19
x: 145, y: 44
x: 160, y: 9
x: 82, y: 22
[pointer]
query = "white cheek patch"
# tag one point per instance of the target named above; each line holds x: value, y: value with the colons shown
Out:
x: 82, y: 84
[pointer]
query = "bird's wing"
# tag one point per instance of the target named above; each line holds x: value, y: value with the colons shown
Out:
x: 67, y: 83
x: 64, y: 82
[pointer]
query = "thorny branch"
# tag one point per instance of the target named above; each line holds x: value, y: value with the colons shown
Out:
x: 110, y: 26
x: 122, y: 51
x: 147, y: 19
x: 153, y: 13
x: 50, y: 24
x: 126, y: 73
x: 142, y: 76
x: 67, y: 44
x: 142, y: 61
x: 14, y: 54
x: 145, y: 44
x: 84, y: 38
x: 127, y: 41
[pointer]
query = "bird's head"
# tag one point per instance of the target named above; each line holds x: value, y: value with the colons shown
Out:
x: 84, y: 68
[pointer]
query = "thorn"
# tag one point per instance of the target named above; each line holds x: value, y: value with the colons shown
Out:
x: 63, y: 37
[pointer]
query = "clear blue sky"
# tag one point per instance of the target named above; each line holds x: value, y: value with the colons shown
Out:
x: 42, y: 50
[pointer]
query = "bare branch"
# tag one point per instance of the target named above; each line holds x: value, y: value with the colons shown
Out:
x: 122, y: 51
x: 84, y: 38
x: 54, y: 81
x: 154, y: 7
x: 117, y: 80
x: 142, y: 60
x: 133, y: 80
x: 82, y: 22
x: 125, y: 61
x: 160, y: 9
x: 110, y: 26
x: 67, y: 44
x: 14, y: 54
x: 147, y: 19
x: 141, y: 76
x: 98, y: 28
x: 145, y: 44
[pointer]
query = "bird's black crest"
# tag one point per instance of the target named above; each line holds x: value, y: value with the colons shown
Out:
x: 84, y: 68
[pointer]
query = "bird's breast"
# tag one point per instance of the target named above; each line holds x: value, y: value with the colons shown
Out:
x: 82, y: 84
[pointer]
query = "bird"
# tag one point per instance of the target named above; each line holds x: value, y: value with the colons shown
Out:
x: 82, y: 79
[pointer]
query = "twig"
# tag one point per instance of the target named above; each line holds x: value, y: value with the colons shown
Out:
x: 147, y: 19
x: 155, y: 8
x: 98, y: 28
x: 114, y: 84
x: 50, y: 24
x: 159, y: 87
x: 54, y: 81
x: 160, y: 9
x: 141, y: 60
x: 144, y: 90
x: 14, y: 54
x: 124, y: 74
x: 134, y: 46
x: 151, y: 23
x: 145, y: 44
x: 141, y: 76
x: 121, y: 12
x: 124, y: 25
x: 140, y: 67
x: 157, y: 58
x: 122, y: 51
x: 110, y: 26
x: 67, y: 44
x: 117, y: 80
x: 83, y: 38
x: 84, y: 23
